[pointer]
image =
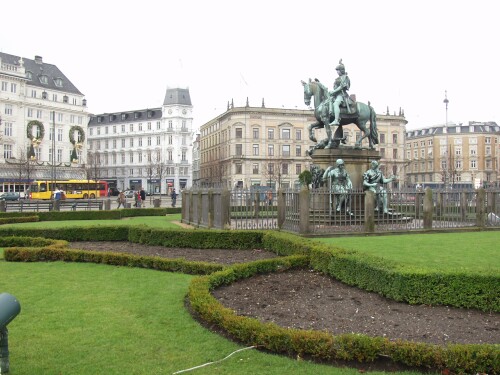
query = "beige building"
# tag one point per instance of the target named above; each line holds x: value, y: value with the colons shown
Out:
x: 258, y: 146
x: 454, y: 155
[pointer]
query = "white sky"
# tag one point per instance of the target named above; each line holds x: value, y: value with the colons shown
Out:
x: 399, y: 54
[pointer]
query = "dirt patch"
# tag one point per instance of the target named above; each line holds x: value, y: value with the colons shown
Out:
x: 220, y: 256
x: 309, y: 300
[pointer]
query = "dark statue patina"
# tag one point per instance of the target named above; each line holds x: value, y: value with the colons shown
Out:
x: 337, y: 108
x: 374, y: 180
x: 340, y: 185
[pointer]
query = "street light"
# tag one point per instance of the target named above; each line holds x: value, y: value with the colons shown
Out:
x: 446, y: 101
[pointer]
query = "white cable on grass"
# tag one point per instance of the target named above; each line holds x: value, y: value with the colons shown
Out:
x: 211, y: 363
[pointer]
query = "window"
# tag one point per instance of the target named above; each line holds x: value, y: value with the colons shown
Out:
x: 184, y: 125
x: 395, y: 139
x: 458, y: 151
x: 298, y: 169
x: 123, y: 128
x: 270, y: 168
x: 255, y: 168
x: 239, y: 150
x: 54, y: 97
x: 140, y: 126
x: 44, y: 79
x: 255, y: 150
x: 429, y: 142
x: 487, y: 150
x: 30, y: 112
x: 149, y: 141
x: 13, y: 88
x: 131, y: 142
x: 170, y: 125
x: 298, y: 134
x: 106, y: 144
x: 5, y: 85
x: 298, y: 150
x: 285, y: 134
x: 123, y: 158
x: 140, y: 142
x: 158, y: 140
x: 422, y: 153
x: 131, y: 127
x: 285, y: 150
x: 284, y: 168
x: 487, y: 140
x: 473, y: 150
x: 106, y: 130
x: 114, y: 129
x: 8, y: 129
x: 39, y: 113
x: 395, y: 153
x: 123, y: 142
x: 270, y: 150
x: 170, y: 139
x: 59, y: 135
x: 114, y: 143
x: 382, y: 152
x: 140, y: 156
x: 270, y: 133
x: 8, y: 109
x: 382, y: 137
x: 59, y: 155
x: 255, y: 133
x: 58, y: 82
x: 473, y: 164
x: 7, y: 151
x: 238, y: 168
x: 239, y: 133
x: 149, y: 126
x: 60, y: 117
x: 158, y: 125
x: 458, y: 164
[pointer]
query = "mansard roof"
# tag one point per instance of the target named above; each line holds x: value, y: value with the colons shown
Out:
x: 177, y: 96
x: 37, y: 68
x: 149, y: 114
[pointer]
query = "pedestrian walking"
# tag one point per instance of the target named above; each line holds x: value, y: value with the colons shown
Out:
x: 173, y: 195
x: 143, y: 196
x: 121, y: 199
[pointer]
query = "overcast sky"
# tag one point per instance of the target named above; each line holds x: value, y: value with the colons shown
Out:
x: 399, y: 54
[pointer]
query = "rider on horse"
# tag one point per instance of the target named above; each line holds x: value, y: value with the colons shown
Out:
x: 339, y: 94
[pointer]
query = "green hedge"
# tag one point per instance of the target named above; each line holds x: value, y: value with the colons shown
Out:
x: 461, y: 359
x: 94, y: 233
x: 19, y: 219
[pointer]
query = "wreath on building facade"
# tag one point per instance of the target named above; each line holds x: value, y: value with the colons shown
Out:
x: 29, y: 130
x: 80, y: 131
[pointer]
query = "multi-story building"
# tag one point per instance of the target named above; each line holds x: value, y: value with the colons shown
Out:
x: 148, y: 148
x: 249, y: 146
x: 453, y: 155
x: 43, y: 121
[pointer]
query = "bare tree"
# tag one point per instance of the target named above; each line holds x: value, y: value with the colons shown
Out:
x: 93, y: 167
x: 276, y: 170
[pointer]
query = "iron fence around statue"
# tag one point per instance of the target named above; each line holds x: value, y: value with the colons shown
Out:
x: 317, y: 211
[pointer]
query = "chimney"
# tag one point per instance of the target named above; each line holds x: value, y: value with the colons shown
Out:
x: 38, y: 59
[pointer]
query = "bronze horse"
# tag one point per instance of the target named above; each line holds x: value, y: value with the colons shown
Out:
x: 364, y: 113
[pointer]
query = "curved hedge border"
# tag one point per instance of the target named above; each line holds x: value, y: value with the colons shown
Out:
x: 18, y: 219
x: 461, y: 359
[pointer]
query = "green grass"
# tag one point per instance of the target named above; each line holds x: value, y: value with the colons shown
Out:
x: 97, y: 319
x: 474, y: 252
x: 163, y: 222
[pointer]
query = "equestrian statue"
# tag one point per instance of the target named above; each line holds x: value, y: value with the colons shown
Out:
x: 337, y: 108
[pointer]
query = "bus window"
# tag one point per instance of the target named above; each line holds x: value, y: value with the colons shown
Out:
x: 43, y: 187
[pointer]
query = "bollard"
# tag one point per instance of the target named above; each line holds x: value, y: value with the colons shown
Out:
x: 9, y: 308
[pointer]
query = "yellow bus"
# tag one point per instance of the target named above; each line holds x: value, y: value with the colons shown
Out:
x: 73, y: 189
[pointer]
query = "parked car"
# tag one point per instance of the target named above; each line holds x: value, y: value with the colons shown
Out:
x: 129, y: 193
x: 114, y: 191
x: 9, y: 196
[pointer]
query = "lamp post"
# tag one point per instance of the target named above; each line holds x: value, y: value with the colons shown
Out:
x: 446, y: 101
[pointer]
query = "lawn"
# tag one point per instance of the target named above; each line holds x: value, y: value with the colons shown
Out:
x: 164, y: 222
x: 97, y: 319
x: 449, y: 252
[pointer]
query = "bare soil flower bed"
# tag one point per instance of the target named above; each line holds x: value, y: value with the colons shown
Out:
x: 306, y: 299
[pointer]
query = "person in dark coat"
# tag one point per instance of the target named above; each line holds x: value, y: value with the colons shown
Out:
x: 143, y: 196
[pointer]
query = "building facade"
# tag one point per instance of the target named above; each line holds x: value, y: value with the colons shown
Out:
x: 147, y: 148
x: 43, y: 122
x: 258, y: 146
x: 454, y: 155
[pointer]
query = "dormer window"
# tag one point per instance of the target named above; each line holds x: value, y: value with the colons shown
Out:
x: 137, y: 115
x: 65, y: 98
x: 44, y: 95
x: 124, y: 116
x: 29, y: 75
x: 44, y: 79
x: 58, y: 82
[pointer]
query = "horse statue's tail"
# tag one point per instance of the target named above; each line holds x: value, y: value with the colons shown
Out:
x: 373, y: 125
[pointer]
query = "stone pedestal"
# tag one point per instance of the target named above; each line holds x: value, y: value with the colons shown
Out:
x: 357, y: 161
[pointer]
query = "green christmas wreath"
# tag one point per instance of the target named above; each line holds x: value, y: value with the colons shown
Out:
x: 29, y: 130
x: 80, y: 131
